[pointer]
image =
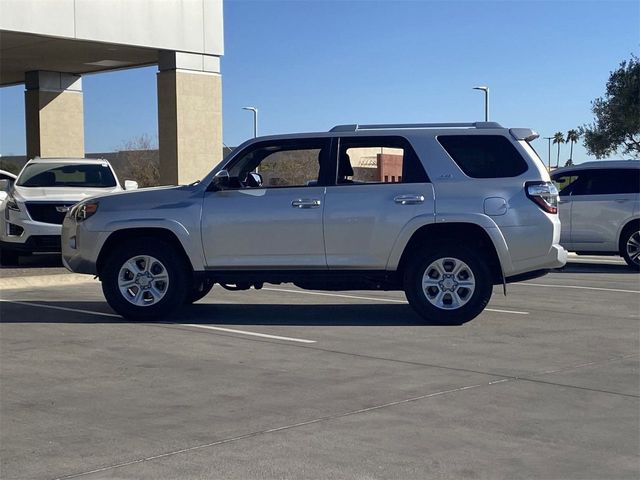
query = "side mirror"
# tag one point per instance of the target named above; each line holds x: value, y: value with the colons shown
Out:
x: 220, y: 180
x: 5, y: 185
x: 130, y: 185
x: 256, y: 180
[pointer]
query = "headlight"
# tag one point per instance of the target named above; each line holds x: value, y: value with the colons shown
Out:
x: 83, y: 211
x: 12, y: 204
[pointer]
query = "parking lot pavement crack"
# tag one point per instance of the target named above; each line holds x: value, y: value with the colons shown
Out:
x: 237, y: 438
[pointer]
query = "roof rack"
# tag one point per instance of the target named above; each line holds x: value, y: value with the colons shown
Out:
x: 400, y: 126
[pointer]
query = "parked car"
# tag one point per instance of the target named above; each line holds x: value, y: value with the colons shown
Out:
x: 6, y: 182
x: 600, y: 208
x: 441, y: 211
x: 31, y: 215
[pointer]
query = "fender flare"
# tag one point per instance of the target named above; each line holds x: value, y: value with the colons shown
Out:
x: 479, y: 220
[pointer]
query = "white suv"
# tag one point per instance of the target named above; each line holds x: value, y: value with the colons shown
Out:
x: 31, y: 216
x: 441, y: 211
x: 600, y: 208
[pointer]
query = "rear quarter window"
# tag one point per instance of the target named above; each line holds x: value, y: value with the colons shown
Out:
x: 484, y: 156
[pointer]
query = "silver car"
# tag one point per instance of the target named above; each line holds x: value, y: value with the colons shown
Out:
x: 600, y: 208
x: 441, y: 211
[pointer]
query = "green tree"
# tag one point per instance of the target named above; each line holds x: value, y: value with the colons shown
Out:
x: 572, y: 137
x: 616, y: 126
x: 558, y: 138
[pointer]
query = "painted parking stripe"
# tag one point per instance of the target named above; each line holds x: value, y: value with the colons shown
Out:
x: 377, y: 299
x: 576, y: 287
x: 243, y: 332
x: 208, y: 327
x: 64, y: 309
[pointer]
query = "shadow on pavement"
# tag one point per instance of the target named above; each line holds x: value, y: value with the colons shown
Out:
x: 585, y: 267
x: 225, y: 314
x: 47, y: 260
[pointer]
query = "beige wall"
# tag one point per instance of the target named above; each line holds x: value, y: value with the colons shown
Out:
x: 189, y: 124
x: 54, y: 123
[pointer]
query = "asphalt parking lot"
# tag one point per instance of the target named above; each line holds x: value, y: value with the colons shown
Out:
x: 285, y: 383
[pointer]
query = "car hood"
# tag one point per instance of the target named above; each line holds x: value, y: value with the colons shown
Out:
x: 67, y: 194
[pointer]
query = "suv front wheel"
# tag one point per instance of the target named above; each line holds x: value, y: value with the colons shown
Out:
x: 448, y: 285
x: 143, y: 279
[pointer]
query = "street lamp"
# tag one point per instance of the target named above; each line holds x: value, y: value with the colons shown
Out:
x: 485, y: 89
x: 549, y: 152
x: 255, y: 119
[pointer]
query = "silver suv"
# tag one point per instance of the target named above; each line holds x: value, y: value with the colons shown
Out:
x: 441, y: 211
x: 600, y: 209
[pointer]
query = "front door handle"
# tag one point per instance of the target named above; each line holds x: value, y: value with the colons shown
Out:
x: 409, y: 199
x: 306, y: 203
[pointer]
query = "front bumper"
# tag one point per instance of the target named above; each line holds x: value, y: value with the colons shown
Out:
x: 32, y: 237
x: 81, y: 247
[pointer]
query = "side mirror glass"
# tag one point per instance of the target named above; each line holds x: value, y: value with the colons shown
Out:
x: 5, y: 185
x: 130, y: 185
x: 254, y: 179
x: 220, y: 180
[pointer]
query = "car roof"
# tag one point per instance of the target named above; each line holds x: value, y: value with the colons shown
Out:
x: 85, y: 161
x: 599, y: 165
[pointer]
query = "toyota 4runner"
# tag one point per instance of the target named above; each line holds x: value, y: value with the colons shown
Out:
x: 441, y: 211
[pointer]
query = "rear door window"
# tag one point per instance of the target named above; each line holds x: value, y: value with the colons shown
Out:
x: 484, y: 156
x: 378, y: 160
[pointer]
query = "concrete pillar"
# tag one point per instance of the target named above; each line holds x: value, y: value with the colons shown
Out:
x: 54, y: 114
x: 189, y: 116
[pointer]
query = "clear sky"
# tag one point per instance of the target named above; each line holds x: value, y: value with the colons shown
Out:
x: 308, y: 65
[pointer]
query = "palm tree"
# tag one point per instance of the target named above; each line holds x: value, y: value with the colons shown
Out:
x: 572, y: 137
x: 558, y: 138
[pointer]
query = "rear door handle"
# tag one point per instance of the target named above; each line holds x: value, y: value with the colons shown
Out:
x: 409, y: 199
x: 622, y: 200
x: 306, y: 203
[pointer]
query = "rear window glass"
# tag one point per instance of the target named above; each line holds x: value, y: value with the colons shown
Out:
x: 484, y: 156
x: 67, y: 175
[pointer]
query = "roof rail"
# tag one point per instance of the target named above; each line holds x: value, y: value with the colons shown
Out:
x: 400, y: 126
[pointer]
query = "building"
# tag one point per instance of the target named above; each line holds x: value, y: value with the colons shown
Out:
x: 48, y: 45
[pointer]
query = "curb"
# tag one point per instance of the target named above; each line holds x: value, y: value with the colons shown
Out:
x: 46, y: 281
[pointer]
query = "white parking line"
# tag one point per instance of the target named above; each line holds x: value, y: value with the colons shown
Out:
x: 242, y: 332
x: 64, y: 309
x: 208, y: 327
x: 576, y: 287
x: 376, y: 299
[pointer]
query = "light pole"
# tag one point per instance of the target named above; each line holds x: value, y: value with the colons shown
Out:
x: 485, y: 89
x: 549, y: 153
x: 255, y: 119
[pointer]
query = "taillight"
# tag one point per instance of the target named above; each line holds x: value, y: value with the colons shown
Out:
x: 544, y: 194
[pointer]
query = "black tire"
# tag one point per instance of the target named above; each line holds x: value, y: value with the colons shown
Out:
x: 9, y: 258
x: 630, y: 246
x: 175, y: 290
x: 199, y: 290
x: 476, y: 270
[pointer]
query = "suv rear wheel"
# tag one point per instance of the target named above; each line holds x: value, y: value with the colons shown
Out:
x: 144, y: 280
x: 449, y: 285
x: 630, y: 246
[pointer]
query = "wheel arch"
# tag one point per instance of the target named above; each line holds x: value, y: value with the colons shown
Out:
x: 438, y: 233
x: 626, y: 226
x: 122, y: 235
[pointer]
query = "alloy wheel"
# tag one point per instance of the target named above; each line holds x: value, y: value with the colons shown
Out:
x: 633, y: 248
x: 143, y: 280
x: 448, y: 283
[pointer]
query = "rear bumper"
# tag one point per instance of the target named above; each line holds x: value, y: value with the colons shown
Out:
x: 556, y: 258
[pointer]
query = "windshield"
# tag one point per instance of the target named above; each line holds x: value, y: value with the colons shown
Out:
x: 65, y: 175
